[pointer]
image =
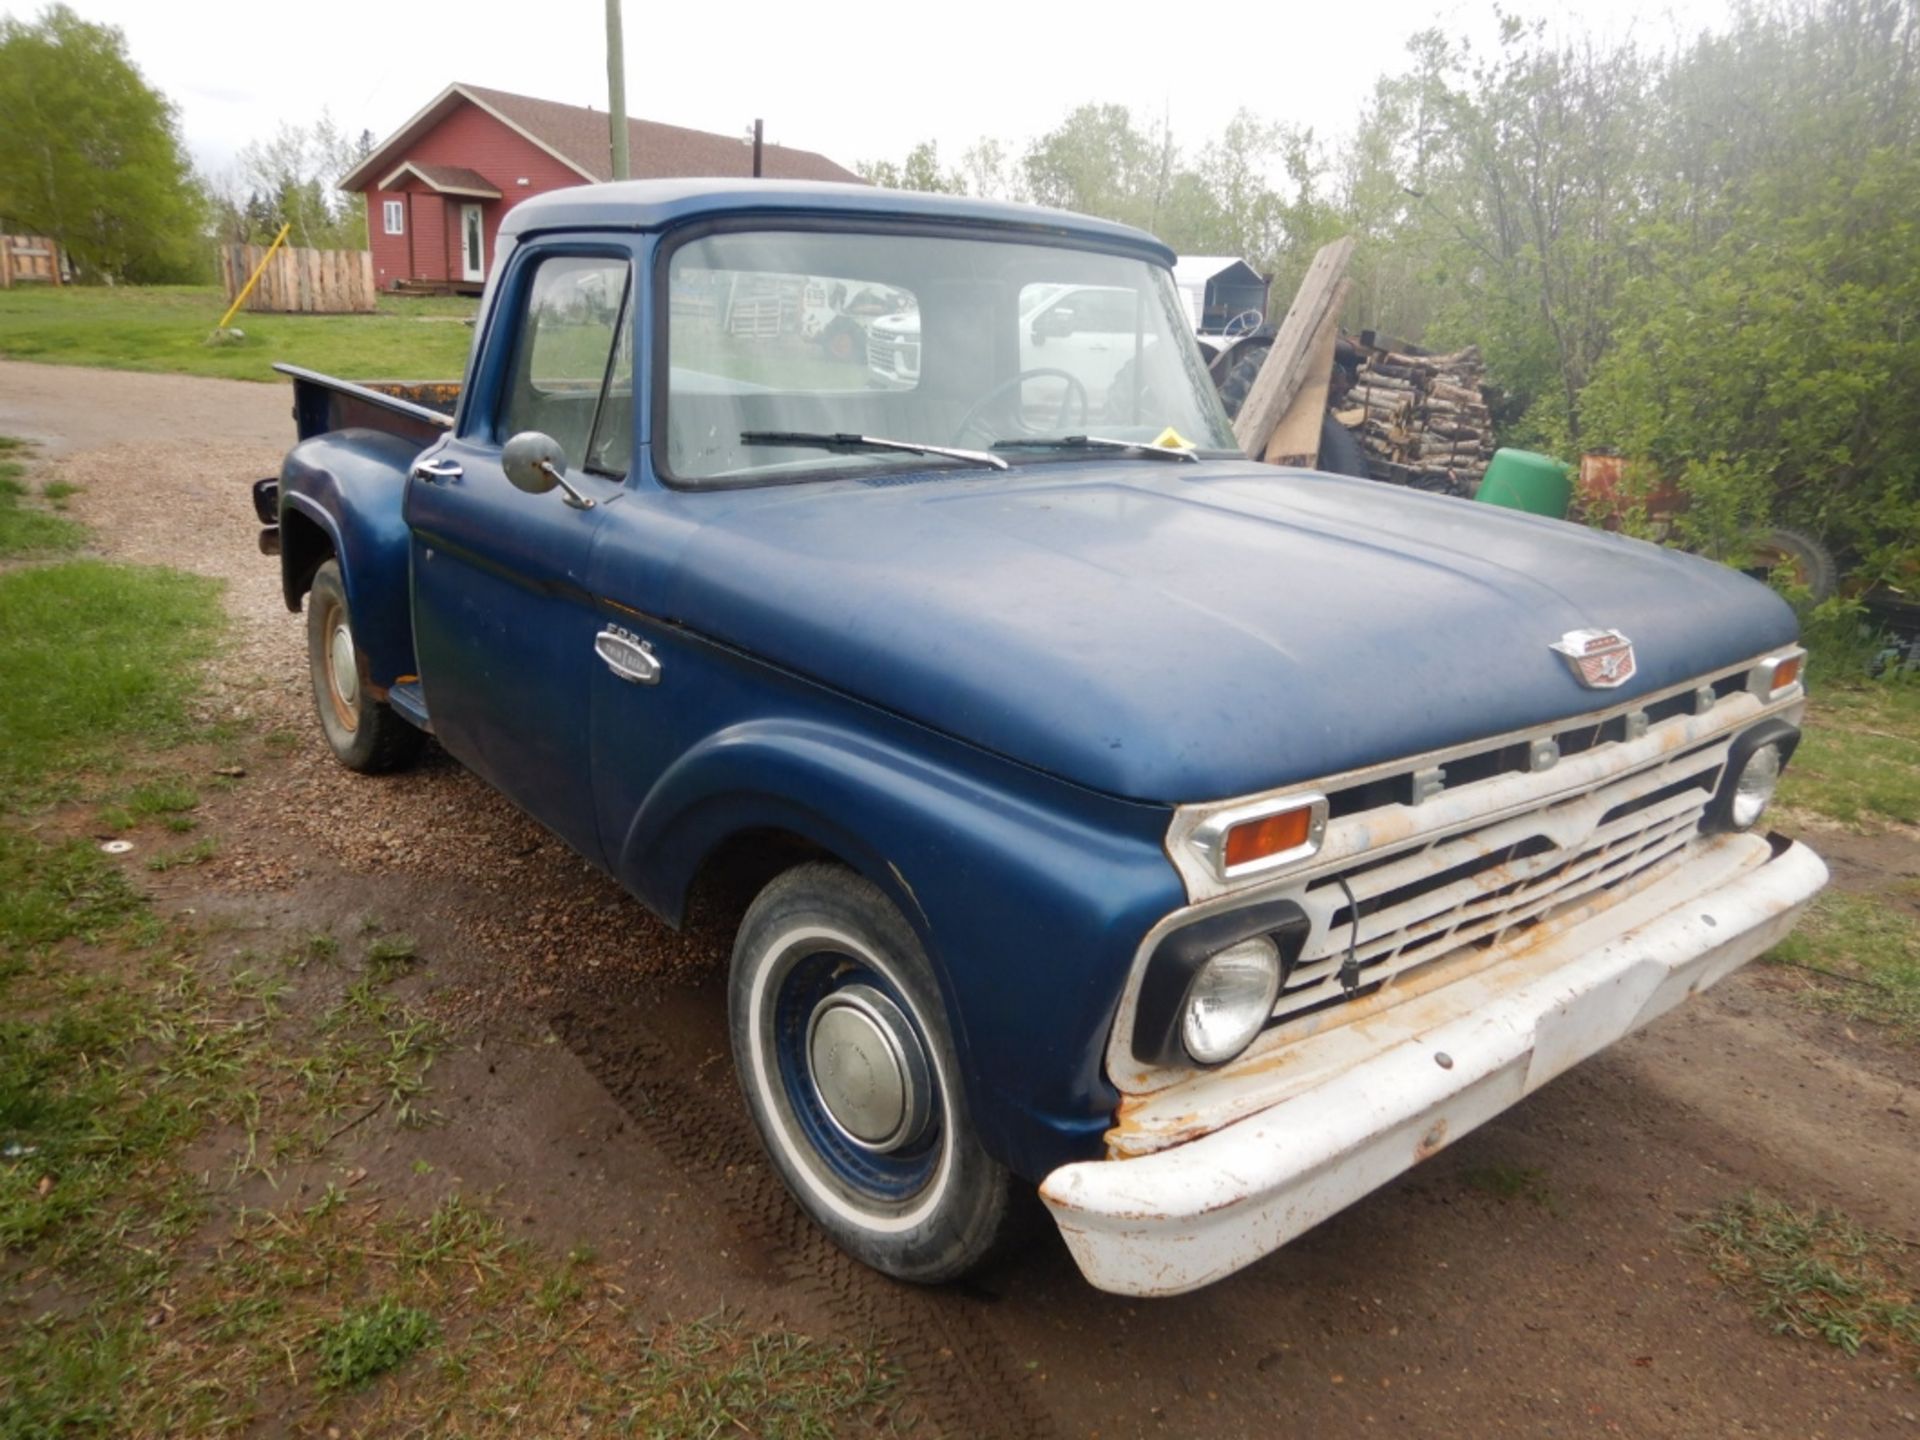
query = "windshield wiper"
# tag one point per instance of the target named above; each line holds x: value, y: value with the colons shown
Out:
x: 1099, y: 442
x: 823, y: 440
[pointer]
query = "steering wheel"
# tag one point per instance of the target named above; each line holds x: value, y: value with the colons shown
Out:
x: 1013, y: 382
x: 1245, y: 323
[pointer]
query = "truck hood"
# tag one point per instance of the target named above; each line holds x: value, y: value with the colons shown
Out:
x: 1184, y: 633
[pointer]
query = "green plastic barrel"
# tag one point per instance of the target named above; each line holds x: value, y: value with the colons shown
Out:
x: 1522, y: 480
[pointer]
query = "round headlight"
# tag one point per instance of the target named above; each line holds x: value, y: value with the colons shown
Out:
x: 1230, y: 998
x: 1755, y: 787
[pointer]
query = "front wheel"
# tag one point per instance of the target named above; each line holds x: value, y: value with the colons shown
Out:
x: 849, y: 1070
x: 363, y: 733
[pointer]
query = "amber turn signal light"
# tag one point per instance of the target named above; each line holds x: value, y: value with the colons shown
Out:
x: 1776, y: 674
x: 1271, y: 835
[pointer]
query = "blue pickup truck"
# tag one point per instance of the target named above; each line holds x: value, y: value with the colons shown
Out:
x: 1202, y: 842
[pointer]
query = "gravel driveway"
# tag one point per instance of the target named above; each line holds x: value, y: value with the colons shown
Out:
x: 1437, y: 1306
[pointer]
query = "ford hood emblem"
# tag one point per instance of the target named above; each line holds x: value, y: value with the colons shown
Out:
x: 1599, y: 659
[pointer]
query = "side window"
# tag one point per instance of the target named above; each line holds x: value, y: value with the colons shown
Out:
x: 1104, y: 311
x: 572, y: 372
x: 392, y: 211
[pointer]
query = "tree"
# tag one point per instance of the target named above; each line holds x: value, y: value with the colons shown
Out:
x: 919, y: 171
x: 1764, y: 349
x: 91, y: 153
x: 290, y: 180
x: 987, y: 172
x: 1097, y: 161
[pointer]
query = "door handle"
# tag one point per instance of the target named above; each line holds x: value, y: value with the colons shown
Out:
x: 437, y: 469
x: 627, y: 655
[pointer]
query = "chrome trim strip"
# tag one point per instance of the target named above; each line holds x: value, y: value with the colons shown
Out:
x: 1203, y: 882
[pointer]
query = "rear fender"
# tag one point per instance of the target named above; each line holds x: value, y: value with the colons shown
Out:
x: 1028, y: 904
x: 351, y: 485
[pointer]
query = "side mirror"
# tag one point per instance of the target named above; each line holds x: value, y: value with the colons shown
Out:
x: 1053, y: 324
x: 536, y: 464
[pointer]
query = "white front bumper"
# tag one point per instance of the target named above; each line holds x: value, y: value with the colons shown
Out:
x: 1436, y: 1067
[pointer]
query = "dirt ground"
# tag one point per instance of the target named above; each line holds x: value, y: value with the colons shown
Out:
x: 593, y: 1092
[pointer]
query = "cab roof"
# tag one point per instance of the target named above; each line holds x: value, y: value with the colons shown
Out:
x: 656, y: 204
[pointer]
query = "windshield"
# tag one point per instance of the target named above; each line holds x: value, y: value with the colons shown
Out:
x: 786, y: 349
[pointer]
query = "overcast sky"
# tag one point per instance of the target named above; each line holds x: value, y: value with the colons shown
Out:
x: 856, y: 80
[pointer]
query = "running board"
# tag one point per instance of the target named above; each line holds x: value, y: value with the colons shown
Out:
x: 410, y: 705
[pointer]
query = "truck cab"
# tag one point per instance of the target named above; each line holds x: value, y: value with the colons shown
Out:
x: 1200, y: 842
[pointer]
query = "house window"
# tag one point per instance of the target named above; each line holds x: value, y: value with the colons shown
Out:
x: 395, y: 225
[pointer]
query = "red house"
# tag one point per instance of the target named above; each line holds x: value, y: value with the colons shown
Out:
x: 437, y: 187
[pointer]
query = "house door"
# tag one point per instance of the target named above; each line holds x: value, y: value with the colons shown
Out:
x: 473, y: 244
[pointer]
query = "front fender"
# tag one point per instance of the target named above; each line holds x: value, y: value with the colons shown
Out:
x: 352, y: 485
x: 1029, y: 895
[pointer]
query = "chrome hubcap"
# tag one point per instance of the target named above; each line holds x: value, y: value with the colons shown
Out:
x: 346, y: 674
x: 868, y: 1068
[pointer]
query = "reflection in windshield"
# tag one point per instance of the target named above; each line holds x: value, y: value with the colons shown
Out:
x: 938, y: 341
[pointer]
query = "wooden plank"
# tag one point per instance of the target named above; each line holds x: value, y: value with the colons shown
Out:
x: 366, y: 299
x: 1296, y: 439
x: 1281, y: 376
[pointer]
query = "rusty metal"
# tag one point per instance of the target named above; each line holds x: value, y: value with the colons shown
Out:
x: 441, y: 395
x: 1282, y: 1140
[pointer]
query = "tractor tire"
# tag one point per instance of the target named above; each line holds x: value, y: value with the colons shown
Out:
x: 1340, y: 453
x: 1808, y: 563
x: 1240, y: 377
x: 844, y: 341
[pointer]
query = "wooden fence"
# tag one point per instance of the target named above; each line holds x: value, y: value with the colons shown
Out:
x: 322, y: 282
x: 28, y: 257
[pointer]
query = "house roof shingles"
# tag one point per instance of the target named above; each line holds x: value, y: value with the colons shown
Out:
x: 654, y: 150
x: 578, y: 136
x: 448, y: 179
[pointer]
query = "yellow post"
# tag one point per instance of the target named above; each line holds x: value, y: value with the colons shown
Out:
x: 254, y: 279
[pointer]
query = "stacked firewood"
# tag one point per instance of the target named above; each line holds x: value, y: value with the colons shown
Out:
x: 1421, y: 420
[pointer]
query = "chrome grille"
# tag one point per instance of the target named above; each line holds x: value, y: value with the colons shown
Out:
x: 1483, y: 885
x: 896, y: 358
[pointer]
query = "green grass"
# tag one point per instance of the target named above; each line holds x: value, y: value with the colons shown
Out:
x: 96, y: 656
x: 186, y: 857
x: 1814, y: 1275
x: 25, y: 530
x: 391, y: 956
x: 165, y: 328
x: 1503, y: 1181
x: 369, y: 1341
x: 1875, y: 945
x: 166, y: 800
x: 1859, y: 762
x: 140, y: 1077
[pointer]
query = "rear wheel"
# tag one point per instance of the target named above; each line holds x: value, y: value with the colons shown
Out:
x: 850, y: 1072
x: 363, y: 733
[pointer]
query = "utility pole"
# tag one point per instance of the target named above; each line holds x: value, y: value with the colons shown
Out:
x: 756, y: 148
x: 617, y: 92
